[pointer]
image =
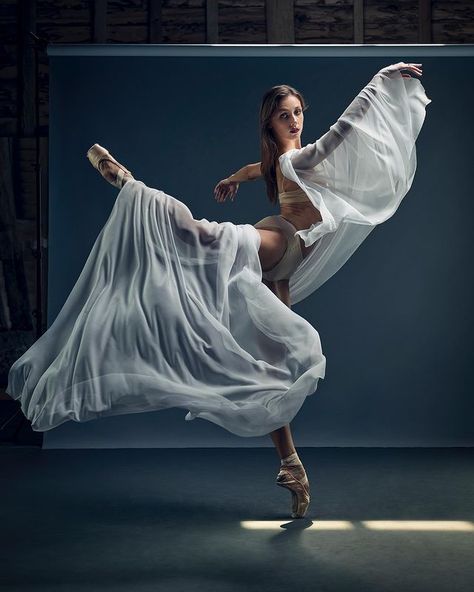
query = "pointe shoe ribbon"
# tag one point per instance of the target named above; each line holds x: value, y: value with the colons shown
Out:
x: 294, y: 478
x: 97, y: 154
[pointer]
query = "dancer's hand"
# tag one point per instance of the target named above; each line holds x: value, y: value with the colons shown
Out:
x: 415, y: 68
x: 224, y: 189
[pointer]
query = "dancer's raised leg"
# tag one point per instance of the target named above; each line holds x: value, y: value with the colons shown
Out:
x: 108, y: 167
x: 272, y: 248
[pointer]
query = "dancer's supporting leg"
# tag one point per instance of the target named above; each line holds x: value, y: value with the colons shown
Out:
x: 283, y: 440
x: 282, y: 437
x: 292, y: 474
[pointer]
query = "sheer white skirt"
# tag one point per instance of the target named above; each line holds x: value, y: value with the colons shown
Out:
x: 170, y: 311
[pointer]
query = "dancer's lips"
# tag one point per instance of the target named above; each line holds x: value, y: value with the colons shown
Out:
x: 294, y: 131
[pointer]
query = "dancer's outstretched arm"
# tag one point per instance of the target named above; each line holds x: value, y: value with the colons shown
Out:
x: 249, y: 172
x: 228, y: 187
x: 312, y: 154
x: 254, y: 171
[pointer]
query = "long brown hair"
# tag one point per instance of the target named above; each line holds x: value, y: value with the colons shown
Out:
x: 268, y: 146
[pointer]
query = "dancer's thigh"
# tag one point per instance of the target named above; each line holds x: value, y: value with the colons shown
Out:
x: 272, y: 247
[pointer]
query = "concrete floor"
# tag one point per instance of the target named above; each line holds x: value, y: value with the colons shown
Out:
x: 213, y: 519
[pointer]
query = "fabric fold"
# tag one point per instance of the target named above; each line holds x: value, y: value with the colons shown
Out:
x: 170, y: 311
x: 357, y: 173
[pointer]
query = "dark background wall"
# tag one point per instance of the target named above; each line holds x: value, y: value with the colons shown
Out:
x: 24, y: 136
x: 392, y: 320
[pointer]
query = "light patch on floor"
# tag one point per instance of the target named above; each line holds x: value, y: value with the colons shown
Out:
x: 411, y: 525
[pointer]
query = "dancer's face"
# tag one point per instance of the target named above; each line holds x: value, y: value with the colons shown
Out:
x: 288, y: 116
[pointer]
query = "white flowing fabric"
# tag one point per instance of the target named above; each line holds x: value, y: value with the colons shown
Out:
x: 357, y: 173
x: 170, y: 311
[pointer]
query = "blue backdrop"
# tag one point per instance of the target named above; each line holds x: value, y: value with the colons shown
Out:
x: 395, y: 321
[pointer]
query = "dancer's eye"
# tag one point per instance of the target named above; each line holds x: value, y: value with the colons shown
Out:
x: 297, y: 113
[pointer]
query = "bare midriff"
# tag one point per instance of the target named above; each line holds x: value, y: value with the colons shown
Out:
x: 301, y: 214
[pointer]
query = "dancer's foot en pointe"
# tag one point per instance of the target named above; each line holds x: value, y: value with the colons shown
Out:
x: 293, y: 476
x: 108, y: 167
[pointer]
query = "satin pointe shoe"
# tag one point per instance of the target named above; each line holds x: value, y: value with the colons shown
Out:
x: 97, y: 154
x: 294, y: 478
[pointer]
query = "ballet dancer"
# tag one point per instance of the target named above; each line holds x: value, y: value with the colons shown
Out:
x: 281, y: 250
x: 173, y: 311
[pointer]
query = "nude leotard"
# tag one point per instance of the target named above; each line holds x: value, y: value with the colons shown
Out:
x: 293, y: 255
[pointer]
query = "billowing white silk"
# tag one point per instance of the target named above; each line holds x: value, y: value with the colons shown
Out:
x: 170, y: 311
x: 357, y: 173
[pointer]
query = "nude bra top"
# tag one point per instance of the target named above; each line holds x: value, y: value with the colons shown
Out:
x: 295, y: 196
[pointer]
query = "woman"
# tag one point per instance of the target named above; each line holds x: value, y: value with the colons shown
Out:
x: 170, y: 311
x: 282, y: 250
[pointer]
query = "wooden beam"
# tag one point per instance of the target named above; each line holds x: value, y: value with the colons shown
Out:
x: 358, y: 21
x: 99, y: 27
x: 212, y: 21
x: 155, y: 32
x: 280, y: 17
x: 424, y: 21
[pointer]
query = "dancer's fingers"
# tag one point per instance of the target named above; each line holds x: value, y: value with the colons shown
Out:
x: 415, y: 67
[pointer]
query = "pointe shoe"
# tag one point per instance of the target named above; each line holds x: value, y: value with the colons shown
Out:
x: 97, y: 154
x: 294, y: 478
